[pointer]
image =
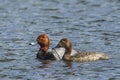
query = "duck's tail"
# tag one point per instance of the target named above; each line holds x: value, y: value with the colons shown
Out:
x: 104, y: 57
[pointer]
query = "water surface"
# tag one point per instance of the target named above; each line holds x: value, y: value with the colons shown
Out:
x: 91, y: 25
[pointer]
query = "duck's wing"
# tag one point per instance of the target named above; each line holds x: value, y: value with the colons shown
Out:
x: 88, y: 56
x: 58, y: 53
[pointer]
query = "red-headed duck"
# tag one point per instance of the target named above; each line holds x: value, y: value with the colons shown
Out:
x: 81, y: 56
x: 45, y: 53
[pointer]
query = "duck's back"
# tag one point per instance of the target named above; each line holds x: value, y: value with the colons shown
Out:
x: 59, y: 52
x: 88, y: 56
x: 74, y: 52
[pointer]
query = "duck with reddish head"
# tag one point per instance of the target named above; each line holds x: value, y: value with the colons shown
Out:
x: 81, y: 56
x: 45, y: 53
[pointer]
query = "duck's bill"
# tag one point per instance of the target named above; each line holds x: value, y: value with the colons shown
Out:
x: 32, y: 43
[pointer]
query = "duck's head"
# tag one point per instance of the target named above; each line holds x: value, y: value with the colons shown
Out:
x: 65, y: 42
x: 43, y: 41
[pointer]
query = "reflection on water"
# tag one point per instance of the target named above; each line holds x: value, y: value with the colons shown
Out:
x: 46, y: 64
x: 91, y: 25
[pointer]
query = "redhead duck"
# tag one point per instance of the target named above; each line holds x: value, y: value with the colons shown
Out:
x: 45, y: 53
x: 81, y: 56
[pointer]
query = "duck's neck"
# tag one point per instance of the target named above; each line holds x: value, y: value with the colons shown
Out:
x: 68, y: 51
x: 44, y: 48
x: 67, y: 54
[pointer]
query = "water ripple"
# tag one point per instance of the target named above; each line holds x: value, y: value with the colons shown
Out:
x: 91, y: 25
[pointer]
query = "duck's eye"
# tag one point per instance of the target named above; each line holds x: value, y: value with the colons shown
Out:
x: 64, y: 40
x: 44, y: 37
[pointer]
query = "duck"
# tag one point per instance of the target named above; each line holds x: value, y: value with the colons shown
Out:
x: 45, y: 53
x: 81, y: 56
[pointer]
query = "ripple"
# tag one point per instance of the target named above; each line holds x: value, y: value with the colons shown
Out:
x: 91, y: 26
x: 6, y: 60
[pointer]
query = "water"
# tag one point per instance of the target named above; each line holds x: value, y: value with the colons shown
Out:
x: 91, y: 25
